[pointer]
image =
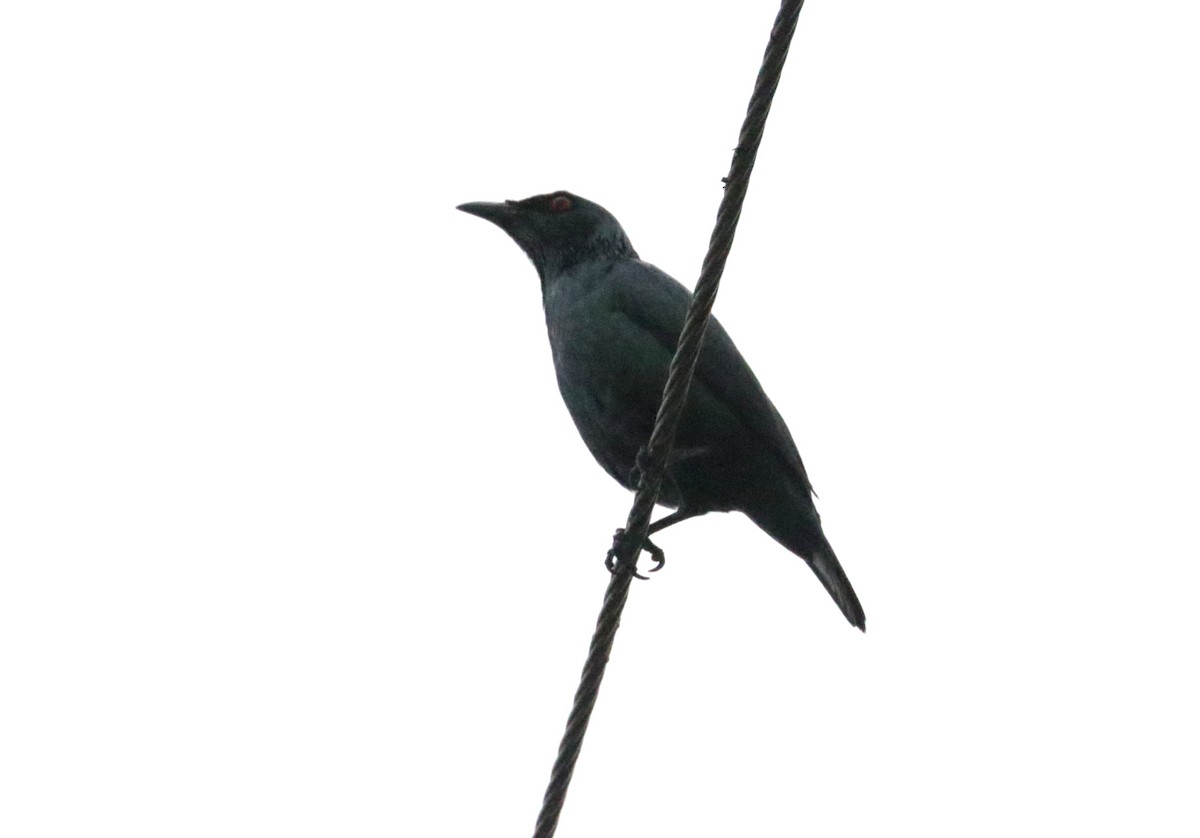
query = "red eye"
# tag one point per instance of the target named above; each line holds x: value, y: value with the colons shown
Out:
x: 560, y: 203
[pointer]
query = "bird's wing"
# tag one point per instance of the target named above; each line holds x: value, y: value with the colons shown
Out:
x: 656, y: 305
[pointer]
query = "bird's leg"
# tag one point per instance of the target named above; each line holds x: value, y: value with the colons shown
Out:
x: 656, y: 553
x: 681, y: 514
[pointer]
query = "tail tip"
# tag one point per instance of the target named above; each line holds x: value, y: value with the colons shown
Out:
x: 855, y: 615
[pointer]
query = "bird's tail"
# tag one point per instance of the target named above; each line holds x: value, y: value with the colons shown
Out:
x: 800, y: 532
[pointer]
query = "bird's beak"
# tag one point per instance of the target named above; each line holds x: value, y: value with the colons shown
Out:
x: 499, y: 214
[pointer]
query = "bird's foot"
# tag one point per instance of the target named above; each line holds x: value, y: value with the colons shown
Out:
x: 656, y: 554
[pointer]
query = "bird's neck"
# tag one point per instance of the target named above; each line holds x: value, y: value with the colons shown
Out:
x: 600, y: 249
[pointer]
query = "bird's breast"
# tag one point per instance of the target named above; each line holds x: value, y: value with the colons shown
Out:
x: 595, y: 387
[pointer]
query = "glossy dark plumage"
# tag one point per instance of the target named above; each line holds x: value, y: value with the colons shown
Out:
x: 613, y: 322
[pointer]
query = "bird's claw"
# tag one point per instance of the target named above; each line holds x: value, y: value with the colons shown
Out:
x: 656, y: 553
x: 610, y: 559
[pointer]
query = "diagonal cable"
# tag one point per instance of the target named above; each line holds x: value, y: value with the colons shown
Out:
x: 683, y: 366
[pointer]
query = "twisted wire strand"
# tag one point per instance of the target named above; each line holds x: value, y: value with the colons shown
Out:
x: 683, y: 366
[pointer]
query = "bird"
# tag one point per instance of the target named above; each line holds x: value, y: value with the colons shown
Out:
x: 613, y: 323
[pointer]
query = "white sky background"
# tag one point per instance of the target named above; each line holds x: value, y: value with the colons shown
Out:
x: 298, y: 539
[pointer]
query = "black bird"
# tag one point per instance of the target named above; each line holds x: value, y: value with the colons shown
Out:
x: 614, y: 321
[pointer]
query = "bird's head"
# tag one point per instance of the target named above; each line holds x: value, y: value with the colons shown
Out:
x: 557, y: 231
